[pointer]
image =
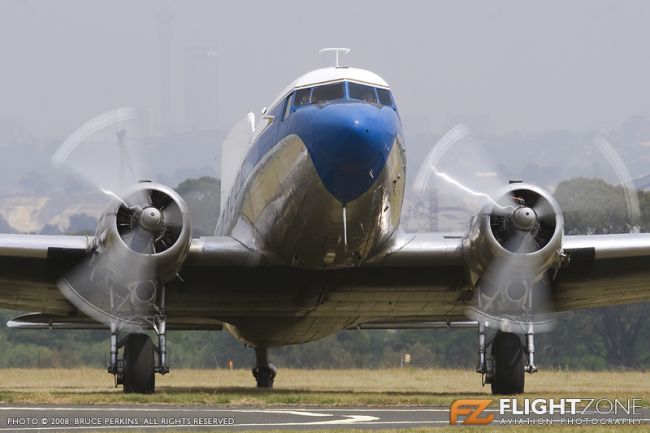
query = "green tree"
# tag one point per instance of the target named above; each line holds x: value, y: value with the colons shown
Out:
x: 202, y: 196
x: 592, y: 206
x: 611, y: 336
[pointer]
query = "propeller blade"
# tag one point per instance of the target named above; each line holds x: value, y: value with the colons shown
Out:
x: 140, y: 240
x: 463, y: 174
x: 118, y: 284
x: 467, y: 173
x: 518, y: 242
x: 99, y: 287
x: 172, y: 215
x: 428, y: 166
x: 105, y: 151
x: 159, y: 200
x: 543, y: 210
x: 514, y: 300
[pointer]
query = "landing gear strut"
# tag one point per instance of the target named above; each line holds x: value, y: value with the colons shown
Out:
x: 264, y: 372
x: 530, y: 349
x: 136, y: 369
x: 504, y: 369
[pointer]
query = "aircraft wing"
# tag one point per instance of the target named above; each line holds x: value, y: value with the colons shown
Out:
x: 604, y: 270
x: 601, y: 269
x: 31, y: 265
x: 422, y: 250
x: 419, y: 276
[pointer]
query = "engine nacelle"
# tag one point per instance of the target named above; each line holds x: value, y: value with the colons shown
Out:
x: 146, y: 237
x: 513, y: 243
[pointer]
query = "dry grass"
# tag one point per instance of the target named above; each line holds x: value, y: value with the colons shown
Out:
x: 333, y: 387
x: 396, y: 380
x: 323, y: 387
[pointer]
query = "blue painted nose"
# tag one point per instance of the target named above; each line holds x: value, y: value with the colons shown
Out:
x: 349, y: 144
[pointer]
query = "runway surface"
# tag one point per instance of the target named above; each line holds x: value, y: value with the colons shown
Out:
x: 57, y: 418
x: 153, y: 418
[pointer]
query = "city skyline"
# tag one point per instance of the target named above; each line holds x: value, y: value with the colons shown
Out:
x: 522, y: 67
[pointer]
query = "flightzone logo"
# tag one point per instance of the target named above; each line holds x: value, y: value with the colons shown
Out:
x: 546, y: 411
x: 471, y: 410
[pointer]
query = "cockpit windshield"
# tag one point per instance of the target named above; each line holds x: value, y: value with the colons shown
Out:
x: 302, y: 97
x: 342, y: 90
x: 315, y: 95
x: 385, y: 98
x: 327, y: 92
x: 362, y: 92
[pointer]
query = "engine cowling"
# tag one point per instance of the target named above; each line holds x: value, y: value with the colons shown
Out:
x: 514, y: 244
x: 148, y: 230
x: 142, y: 241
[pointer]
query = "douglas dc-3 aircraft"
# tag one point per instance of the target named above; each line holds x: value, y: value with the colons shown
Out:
x: 308, y: 243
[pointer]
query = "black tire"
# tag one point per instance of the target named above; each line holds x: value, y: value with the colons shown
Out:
x: 264, y: 376
x: 507, y: 364
x: 139, y: 366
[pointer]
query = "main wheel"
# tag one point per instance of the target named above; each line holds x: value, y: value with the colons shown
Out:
x: 139, y: 366
x: 264, y: 376
x: 507, y: 364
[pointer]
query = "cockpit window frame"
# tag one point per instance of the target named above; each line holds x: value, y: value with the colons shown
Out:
x: 338, y: 85
x: 299, y: 95
x: 388, y: 93
x: 303, y: 91
x: 288, y: 106
x: 366, y: 88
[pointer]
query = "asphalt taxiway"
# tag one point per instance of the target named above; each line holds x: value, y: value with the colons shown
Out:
x: 55, y: 418
x: 148, y: 418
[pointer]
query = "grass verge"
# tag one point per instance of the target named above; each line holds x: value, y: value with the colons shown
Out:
x: 354, y: 387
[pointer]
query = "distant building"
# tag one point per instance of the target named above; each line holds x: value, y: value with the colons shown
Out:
x: 165, y: 26
x: 201, y: 88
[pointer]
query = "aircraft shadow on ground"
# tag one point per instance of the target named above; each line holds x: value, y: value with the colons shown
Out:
x: 288, y: 391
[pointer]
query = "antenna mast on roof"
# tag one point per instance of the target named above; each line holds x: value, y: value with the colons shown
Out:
x: 337, y: 51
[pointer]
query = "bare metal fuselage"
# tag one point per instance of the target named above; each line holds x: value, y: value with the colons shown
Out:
x: 284, y: 207
x: 285, y: 211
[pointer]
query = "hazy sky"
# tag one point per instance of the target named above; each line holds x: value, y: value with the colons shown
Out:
x: 515, y: 65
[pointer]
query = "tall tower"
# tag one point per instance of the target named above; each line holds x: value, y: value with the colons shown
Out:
x: 201, y: 88
x: 165, y: 21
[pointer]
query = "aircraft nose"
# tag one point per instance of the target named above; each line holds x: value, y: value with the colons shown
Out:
x: 349, y: 145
